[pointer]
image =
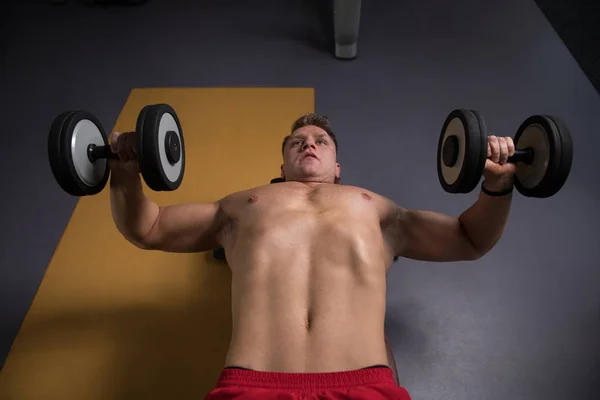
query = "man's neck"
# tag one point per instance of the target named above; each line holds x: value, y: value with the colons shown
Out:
x: 312, y: 184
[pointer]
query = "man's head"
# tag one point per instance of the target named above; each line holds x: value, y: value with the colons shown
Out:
x: 310, y: 151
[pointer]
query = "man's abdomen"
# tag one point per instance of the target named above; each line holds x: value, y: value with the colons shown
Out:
x: 308, y: 314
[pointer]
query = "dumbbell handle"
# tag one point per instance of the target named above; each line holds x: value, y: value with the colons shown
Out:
x: 522, y: 155
x: 97, y: 152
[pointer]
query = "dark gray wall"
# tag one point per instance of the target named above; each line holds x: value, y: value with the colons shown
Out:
x: 578, y: 24
x: 521, y: 323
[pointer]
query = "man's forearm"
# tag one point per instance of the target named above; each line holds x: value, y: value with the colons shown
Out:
x: 134, y: 214
x: 484, y: 221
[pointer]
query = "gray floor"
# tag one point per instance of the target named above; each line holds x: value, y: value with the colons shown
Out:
x: 522, y: 323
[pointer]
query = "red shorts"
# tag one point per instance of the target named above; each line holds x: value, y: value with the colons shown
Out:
x: 363, y: 384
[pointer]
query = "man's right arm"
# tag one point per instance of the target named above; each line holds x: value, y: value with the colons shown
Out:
x: 176, y: 228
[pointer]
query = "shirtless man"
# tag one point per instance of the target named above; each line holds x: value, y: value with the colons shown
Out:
x: 309, y: 258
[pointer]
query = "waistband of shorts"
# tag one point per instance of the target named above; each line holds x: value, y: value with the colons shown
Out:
x: 296, y: 380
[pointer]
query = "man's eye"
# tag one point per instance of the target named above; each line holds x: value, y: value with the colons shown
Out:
x: 322, y: 141
x: 295, y: 143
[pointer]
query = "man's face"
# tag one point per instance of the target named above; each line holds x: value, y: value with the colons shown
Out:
x: 309, y: 156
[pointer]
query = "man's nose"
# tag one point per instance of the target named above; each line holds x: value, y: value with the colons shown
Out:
x: 307, y: 144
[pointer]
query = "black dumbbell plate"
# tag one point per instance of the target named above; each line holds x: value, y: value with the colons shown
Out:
x: 462, y: 151
x: 161, y: 149
x: 70, y: 135
x: 550, y: 140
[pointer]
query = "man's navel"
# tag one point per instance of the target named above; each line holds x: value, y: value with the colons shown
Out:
x: 308, y: 321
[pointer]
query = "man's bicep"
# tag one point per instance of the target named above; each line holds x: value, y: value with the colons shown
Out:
x: 433, y: 236
x: 186, y: 228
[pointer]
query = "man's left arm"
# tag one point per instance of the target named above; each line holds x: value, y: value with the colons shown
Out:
x: 432, y: 236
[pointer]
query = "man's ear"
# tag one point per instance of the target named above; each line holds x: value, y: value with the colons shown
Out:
x: 282, y: 172
x: 338, y: 172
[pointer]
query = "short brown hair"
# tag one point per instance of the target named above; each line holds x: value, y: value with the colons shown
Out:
x: 319, y: 120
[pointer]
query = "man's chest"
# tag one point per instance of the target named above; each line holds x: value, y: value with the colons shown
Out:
x: 336, y: 223
x: 289, y: 206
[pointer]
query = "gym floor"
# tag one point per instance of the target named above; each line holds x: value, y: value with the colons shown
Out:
x: 523, y: 322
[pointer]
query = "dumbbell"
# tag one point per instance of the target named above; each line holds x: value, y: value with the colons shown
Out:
x: 78, y: 150
x: 543, y: 154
